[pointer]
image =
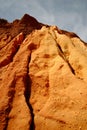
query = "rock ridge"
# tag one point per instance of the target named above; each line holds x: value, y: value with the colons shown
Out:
x: 43, y: 77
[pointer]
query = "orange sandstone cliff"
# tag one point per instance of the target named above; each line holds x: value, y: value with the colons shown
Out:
x: 43, y: 77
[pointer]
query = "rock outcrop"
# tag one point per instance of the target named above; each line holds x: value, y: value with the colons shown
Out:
x: 43, y: 77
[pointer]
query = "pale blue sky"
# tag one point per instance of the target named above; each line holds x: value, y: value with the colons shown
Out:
x: 70, y: 15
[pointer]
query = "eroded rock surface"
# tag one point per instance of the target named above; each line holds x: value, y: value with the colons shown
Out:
x: 43, y: 79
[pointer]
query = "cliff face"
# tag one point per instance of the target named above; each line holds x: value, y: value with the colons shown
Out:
x: 43, y: 77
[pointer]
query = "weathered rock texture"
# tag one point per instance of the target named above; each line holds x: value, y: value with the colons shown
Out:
x: 43, y: 77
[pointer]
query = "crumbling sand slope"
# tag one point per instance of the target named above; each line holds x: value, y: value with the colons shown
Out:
x: 43, y: 78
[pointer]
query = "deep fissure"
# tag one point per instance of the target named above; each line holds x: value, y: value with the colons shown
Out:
x: 6, y: 61
x: 7, y: 111
x: 63, y: 56
x: 27, y: 95
x: 11, y: 92
x: 72, y: 70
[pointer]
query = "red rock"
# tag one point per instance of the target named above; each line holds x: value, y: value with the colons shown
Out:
x: 43, y: 77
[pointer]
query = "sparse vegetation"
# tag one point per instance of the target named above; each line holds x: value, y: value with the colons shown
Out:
x: 3, y: 21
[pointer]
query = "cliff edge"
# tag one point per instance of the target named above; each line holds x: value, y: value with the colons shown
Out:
x: 43, y: 77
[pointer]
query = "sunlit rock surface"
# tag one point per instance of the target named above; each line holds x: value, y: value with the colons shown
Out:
x: 43, y: 77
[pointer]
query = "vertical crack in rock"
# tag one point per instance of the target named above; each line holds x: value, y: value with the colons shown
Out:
x: 11, y: 93
x: 9, y: 81
x: 63, y: 56
x: 11, y: 50
x: 27, y: 95
x: 9, y: 58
